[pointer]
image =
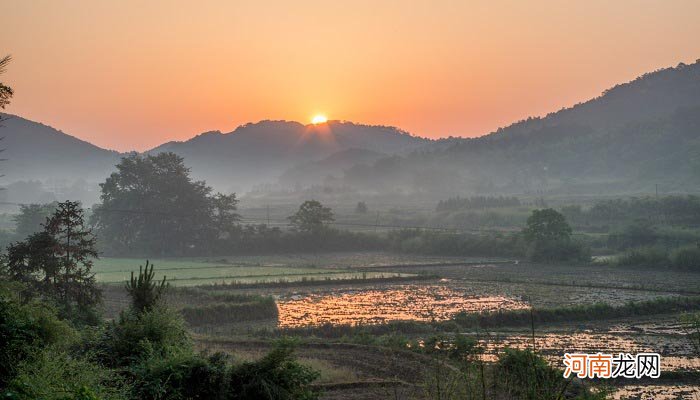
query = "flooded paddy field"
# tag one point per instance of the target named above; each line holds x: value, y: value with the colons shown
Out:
x: 565, y: 275
x: 676, y: 351
x: 436, y: 300
x: 401, y: 302
x: 688, y: 391
x: 358, y: 289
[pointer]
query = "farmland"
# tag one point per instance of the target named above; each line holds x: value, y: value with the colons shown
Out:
x: 199, y: 271
x: 330, y: 302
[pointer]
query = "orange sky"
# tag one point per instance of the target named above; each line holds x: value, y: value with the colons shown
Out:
x: 133, y: 74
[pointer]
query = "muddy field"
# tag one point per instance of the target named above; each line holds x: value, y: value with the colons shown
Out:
x: 380, y: 305
x: 434, y: 289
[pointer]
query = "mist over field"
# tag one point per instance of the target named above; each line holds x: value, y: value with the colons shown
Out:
x: 626, y: 141
x: 410, y: 252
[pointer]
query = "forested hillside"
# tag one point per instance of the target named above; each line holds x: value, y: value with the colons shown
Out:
x: 633, y: 136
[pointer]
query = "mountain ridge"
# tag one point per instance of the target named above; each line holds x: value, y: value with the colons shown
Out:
x: 589, y: 141
x: 583, y: 147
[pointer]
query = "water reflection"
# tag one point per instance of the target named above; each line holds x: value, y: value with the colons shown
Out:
x: 373, y: 306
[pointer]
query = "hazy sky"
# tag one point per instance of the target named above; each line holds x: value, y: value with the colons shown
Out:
x: 133, y: 74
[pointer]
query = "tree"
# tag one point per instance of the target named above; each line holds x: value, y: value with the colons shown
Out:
x: 56, y: 263
x: 361, y: 208
x: 6, y: 92
x: 31, y: 218
x: 312, y: 217
x: 151, y: 205
x: 547, y: 224
x: 145, y: 292
x: 224, y: 216
x: 549, y: 238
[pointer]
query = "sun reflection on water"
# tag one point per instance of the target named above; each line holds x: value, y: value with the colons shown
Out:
x: 374, y: 306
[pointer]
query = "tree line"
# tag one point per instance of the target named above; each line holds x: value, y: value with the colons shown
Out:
x: 152, y: 207
x: 476, y: 203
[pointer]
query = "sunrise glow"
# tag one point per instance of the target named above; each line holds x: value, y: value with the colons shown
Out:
x: 464, y: 68
x: 319, y: 119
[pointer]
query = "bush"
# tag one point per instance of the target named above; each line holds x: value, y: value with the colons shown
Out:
x: 180, y: 374
x: 137, y: 335
x: 554, y: 250
x: 423, y: 242
x: 643, y: 257
x: 24, y: 328
x: 523, y: 374
x: 686, y: 258
x: 637, y: 234
x: 56, y: 375
x: 277, y: 376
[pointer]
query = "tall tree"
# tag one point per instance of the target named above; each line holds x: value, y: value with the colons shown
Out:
x: 548, y: 236
x: 547, y: 224
x: 312, y: 217
x: 151, y: 206
x: 56, y: 263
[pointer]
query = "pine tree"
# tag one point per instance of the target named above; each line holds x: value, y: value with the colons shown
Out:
x: 57, y: 263
x: 144, y: 290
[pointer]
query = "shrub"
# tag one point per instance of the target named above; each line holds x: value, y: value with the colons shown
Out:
x: 144, y: 290
x: 687, y: 258
x: 25, y: 328
x: 522, y: 374
x: 180, y: 374
x: 554, y: 250
x: 136, y: 335
x: 423, y: 242
x: 53, y: 374
x: 643, y: 257
x: 277, y: 376
x: 636, y: 234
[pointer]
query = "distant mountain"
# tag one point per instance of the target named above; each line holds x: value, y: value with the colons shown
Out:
x: 34, y: 151
x: 260, y: 152
x: 634, y: 135
x: 334, y: 165
x: 252, y: 154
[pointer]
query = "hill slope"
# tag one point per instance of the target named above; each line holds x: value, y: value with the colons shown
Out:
x: 631, y: 137
x: 334, y: 165
x: 37, y: 151
x: 260, y: 152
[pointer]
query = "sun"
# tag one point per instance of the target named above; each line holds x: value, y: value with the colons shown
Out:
x: 319, y: 119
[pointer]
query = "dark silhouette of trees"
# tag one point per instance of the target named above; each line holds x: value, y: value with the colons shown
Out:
x: 476, y: 203
x: 547, y: 224
x: 56, y: 263
x: 312, y: 217
x: 548, y: 236
x: 6, y: 92
x: 361, y: 208
x: 31, y: 218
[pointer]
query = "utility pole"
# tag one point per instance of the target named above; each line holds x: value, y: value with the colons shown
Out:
x: 656, y: 185
x: 268, y: 215
x: 376, y: 223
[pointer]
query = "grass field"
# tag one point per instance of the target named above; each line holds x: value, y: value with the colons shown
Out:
x: 201, y: 271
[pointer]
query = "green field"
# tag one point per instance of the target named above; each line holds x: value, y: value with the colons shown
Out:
x: 201, y: 271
